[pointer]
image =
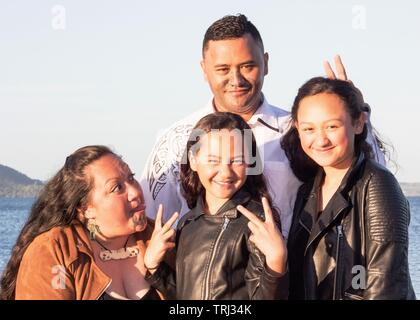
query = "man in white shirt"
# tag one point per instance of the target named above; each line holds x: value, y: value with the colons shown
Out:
x: 234, y: 64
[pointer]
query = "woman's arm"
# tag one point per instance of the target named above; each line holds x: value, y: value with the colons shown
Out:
x: 42, y: 274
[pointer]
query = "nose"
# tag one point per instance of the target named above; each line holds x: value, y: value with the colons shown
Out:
x: 135, y: 193
x: 225, y: 171
x: 322, y: 139
x: 236, y: 78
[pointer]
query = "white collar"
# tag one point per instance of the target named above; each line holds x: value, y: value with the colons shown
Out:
x: 264, y: 113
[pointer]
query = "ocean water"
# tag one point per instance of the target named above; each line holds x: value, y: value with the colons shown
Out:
x: 13, y: 214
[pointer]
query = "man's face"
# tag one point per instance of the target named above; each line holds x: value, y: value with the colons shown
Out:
x: 235, y: 71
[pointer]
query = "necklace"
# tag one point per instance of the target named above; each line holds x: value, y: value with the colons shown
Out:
x: 119, y: 254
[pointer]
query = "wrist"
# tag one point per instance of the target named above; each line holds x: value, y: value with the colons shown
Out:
x: 278, y: 264
x: 151, y: 268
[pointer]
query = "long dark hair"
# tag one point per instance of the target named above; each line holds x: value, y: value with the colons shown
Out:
x: 57, y: 205
x: 191, y: 186
x: 302, y: 165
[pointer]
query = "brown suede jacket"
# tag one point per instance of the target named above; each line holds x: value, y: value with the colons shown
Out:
x: 59, y: 264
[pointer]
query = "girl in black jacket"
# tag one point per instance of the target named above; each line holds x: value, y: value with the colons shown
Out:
x: 349, y: 235
x: 220, y: 254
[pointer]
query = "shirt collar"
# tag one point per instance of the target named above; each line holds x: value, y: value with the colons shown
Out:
x: 264, y: 115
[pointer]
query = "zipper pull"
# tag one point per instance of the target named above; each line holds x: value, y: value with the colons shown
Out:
x: 225, y: 223
x: 340, y: 230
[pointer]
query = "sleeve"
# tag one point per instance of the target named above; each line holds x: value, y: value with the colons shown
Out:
x: 160, y: 177
x: 43, y: 276
x: 164, y: 280
x: 387, y: 218
x: 379, y: 155
x: 261, y: 281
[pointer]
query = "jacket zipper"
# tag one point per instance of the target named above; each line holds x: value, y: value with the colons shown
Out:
x: 213, y: 255
x: 337, y: 256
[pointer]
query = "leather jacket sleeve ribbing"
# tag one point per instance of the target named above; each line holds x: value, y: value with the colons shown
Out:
x: 387, y: 217
x: 261, y: 281
x: 164, y: 280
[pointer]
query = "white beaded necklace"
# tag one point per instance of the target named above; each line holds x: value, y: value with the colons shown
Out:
x: 119, y: 254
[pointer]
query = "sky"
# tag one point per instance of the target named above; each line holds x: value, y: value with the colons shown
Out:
x: 75, y: 73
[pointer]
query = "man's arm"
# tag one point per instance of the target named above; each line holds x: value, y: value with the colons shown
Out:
x: 160, y: 178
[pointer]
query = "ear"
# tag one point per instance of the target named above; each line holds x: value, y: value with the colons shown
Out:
x: 360, y: 123
x: 265, y: 63
x: 193, y: 161
x: 203, y: 68
x: 87, y: 212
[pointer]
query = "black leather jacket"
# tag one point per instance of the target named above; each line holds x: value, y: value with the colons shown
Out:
x: 358, y: 247
x: 215, y: 259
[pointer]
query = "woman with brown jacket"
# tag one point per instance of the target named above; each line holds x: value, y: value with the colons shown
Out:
x: 86, y: 235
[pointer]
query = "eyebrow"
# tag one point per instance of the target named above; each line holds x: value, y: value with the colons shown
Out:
x: 340, y: 120
x: 221, y: 65
x: 218, y: 157
x: 125, y: 167
x: 241, y: 64
x: 110, y: 179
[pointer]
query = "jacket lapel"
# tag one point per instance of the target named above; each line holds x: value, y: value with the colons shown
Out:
x: 335, y: 207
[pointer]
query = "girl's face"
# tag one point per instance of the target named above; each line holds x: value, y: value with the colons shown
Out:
x: 327, y: 131
x: 116, y: 199
x: 220, y: 165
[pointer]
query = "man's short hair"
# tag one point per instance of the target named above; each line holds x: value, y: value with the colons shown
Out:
x: 231, y: 27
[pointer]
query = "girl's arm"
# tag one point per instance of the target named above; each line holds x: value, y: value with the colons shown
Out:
x: 387, y: 217
x: 266, y: 274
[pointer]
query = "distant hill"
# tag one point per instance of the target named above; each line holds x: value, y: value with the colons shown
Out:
x: 16, y: 184
x: 411, y: 189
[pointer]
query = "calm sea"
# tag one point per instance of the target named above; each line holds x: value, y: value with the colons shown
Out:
x: 13, y: 213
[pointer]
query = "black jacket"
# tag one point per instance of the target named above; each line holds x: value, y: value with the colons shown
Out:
x: 215, y: 259
x: 358, y: 247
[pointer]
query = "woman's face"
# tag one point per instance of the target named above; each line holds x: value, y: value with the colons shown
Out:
x: 116, y: 200
x: 327, y: 131
x: 220, y: 165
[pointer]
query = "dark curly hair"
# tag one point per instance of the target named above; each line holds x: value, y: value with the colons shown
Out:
x: 231, y: 27
x: 302, y: 165
x: 191, y: 186
x: 56, y: 205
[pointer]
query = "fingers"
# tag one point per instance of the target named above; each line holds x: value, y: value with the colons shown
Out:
x: 328, y: 70
x: 341, y: 71
x: 252, y: 227
x: 267, y: 210
x: 249, y: 215
x: 170, y: 222
x: 159, y: 214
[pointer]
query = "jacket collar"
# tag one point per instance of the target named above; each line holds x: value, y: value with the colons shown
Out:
x: 228, y: 209
x: 335, y: 207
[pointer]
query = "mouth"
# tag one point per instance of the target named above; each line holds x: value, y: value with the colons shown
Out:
x: 324, y: 150
x: 139, y: 217
x: 224, y: 183
x: 238, y: 92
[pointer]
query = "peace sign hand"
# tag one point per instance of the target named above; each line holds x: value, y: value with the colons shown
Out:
x: 161, y: 241
x: 341, y: 71
x: 267, y: 237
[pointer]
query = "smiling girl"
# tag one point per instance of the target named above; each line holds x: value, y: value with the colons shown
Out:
x: 219, y: 254
x: 349, y: 235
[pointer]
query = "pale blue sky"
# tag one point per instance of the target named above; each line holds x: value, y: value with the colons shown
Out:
x: 121, y: 71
